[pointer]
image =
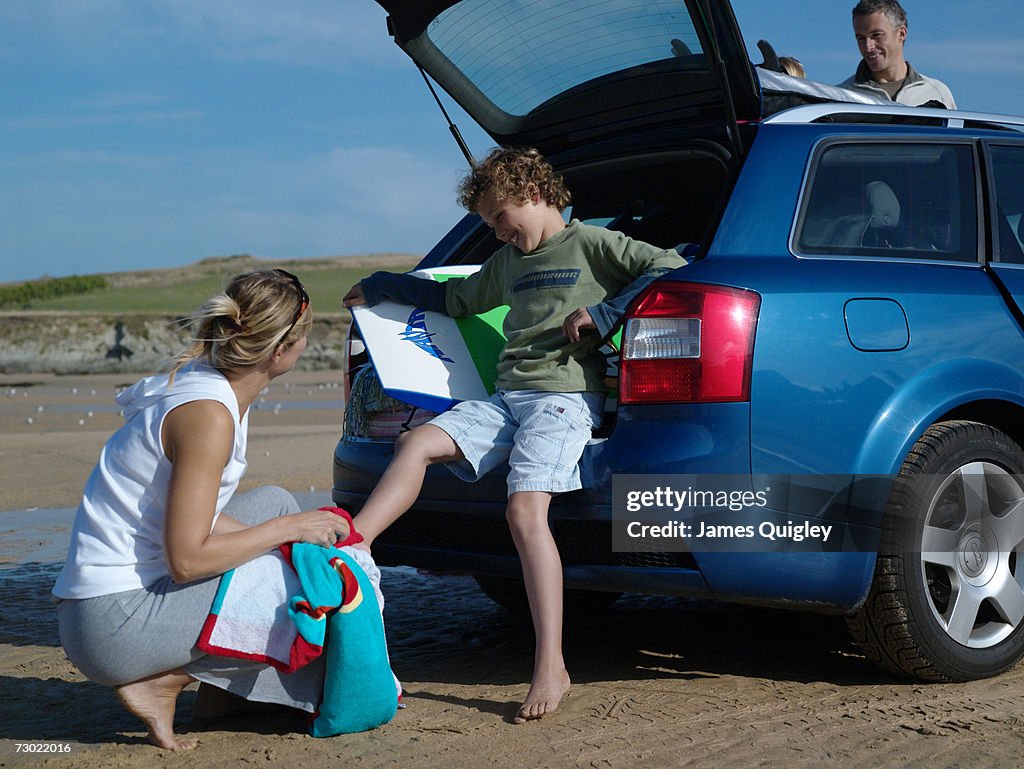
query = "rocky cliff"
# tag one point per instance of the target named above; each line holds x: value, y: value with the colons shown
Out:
x: 83, y: 343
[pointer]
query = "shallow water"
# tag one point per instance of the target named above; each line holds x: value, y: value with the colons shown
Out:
x: 34, y: 536
x: 39, y: 536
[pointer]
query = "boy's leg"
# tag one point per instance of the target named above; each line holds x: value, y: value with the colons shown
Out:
x: 470, y: 438
x: 553, y: 431
x: 400, y: 484
x: 542, y: 572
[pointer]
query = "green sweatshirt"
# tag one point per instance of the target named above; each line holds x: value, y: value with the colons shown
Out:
x: 581, y: 266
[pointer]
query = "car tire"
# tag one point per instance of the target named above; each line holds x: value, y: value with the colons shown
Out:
x: 947, y: 599
x: 510, y: 594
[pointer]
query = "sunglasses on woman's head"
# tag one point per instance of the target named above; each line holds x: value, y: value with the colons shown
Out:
x: 303, y: 299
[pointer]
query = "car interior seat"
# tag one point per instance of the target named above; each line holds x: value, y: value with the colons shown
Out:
x: 883, y: 209
x: 871, y: 223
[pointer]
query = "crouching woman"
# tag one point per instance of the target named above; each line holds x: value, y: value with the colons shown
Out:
x: 158, y: 523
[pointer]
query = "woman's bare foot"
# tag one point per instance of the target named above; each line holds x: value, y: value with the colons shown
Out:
x: 544, y: 695
x: 153, y: 700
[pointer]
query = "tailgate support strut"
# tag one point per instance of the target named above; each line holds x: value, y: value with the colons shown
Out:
x: 451, y: 126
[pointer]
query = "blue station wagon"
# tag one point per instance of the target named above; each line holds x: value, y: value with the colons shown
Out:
x: 853, y: 308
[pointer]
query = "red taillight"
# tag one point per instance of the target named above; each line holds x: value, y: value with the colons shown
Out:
x: 688, y: 343
x: 355, y: 357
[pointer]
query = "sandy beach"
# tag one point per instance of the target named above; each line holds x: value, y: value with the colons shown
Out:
x: 658, y: 682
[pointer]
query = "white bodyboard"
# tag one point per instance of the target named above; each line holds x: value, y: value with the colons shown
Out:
x: 424, y: 358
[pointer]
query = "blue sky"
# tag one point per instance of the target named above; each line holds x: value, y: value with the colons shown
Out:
x: 153, y: 133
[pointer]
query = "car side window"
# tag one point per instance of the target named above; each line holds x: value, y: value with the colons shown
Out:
x: 900, y: 200
x: 1008, y: 174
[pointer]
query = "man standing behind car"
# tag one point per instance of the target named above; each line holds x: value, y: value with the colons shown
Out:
x: 881, y: 29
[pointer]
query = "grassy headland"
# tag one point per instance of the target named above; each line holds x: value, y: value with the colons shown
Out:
x: 182, y: 289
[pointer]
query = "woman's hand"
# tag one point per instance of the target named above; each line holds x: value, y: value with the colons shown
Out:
x: 354, y: 297
x: 318, y: 527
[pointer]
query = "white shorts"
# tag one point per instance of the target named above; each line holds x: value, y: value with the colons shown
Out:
x: 541, y: 434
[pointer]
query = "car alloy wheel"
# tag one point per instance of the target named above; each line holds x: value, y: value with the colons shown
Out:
x: 947, y: 599
x: 970, y: 543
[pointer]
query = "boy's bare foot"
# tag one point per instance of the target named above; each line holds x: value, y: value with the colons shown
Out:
x: 153, y: 700
x: 543, y: 698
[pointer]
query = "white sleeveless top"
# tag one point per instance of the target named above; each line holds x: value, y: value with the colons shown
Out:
x: 117, y: 537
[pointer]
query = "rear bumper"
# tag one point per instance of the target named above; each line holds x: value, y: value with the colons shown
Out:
x: 455, y: 526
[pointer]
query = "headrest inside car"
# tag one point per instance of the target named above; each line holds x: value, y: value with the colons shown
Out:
x: 883, y: 207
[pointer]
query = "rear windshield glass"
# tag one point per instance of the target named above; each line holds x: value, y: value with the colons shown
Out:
x: 893, y: 200
x: 520, y: 53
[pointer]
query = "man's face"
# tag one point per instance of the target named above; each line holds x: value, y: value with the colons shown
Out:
x: 880, y: 43
x: 524, y: 225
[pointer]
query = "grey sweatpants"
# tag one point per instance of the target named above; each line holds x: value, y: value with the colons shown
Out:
x: 124, y: 637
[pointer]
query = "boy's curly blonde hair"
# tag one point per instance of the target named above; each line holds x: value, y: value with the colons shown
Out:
x: 515, y: 174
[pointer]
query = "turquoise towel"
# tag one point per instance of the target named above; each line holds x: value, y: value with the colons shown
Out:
x: 359, y: 687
